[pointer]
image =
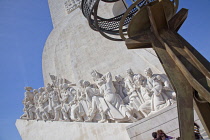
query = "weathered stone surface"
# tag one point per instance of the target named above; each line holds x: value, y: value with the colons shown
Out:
x: 73, y: 49
x: 166, y: 119
x: 33, y: 130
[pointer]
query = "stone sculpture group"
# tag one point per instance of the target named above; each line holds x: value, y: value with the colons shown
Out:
x: 124, y: 100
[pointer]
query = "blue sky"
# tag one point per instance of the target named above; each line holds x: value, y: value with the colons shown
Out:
x: 24, y: 28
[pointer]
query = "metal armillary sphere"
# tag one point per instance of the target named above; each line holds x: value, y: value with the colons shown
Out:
x: 114, y: 25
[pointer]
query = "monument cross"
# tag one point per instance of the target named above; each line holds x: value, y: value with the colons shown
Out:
x: 154, y: 24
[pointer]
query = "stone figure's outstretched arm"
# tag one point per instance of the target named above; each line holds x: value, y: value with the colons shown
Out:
x: 108, y: 77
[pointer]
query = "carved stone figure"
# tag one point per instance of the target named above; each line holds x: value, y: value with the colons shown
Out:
x: 54, y: 104
x: 167, y: 88
x: 150, y: 77
x: 96, y: 97
x: 65, y: 100
x: 43, y: 104
x: 36, y: 102
x: 108, y: 90
x: 134, y: 99
x: 119, y: 84
x: 75, y: 116
x: 28, y: 94
x: 28, y: 103
x: 36, y: 97
x: 159, y: 100
x: 117, y: 110
x: 28, y: 109
x: 90, y: 92
x: 96, y: 76
x: 82, y: 103
x: 136, y: 79
x: 146, y: 107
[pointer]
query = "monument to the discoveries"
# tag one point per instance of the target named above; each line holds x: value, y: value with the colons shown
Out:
x: 96, y: 86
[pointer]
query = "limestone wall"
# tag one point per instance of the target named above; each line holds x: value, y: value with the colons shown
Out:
x: 73, y: 50
x: 57, y: 11
x: 33, y: 130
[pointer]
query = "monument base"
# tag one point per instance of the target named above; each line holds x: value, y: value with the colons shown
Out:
x: 41, y: 130
x: 166, y: 119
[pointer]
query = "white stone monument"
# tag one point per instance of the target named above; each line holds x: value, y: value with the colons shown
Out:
x: 116, y: 86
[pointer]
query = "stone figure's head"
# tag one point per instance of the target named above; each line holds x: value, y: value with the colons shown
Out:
x: 41, y: 89
x: 130, y: 72
x: 95, y: 74
x: 159, y: 77
x: 65, y: 86
x: 35, y: 91
x: 148, y: 72
x: 94, y: 86
x: 53, y: 93
x: 49, y: 88
x: 81, y: 83
x: 28, y: 88
x: 86, y: 83
x: 72, y: 91
x: 138, y: 79
x: 101, y: 81
x: 118, y: 78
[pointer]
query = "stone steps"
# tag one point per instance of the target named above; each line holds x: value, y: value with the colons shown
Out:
x: 166, y: 119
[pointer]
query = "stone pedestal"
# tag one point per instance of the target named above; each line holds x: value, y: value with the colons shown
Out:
x: 166, y: 119
x: 41, y: 130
